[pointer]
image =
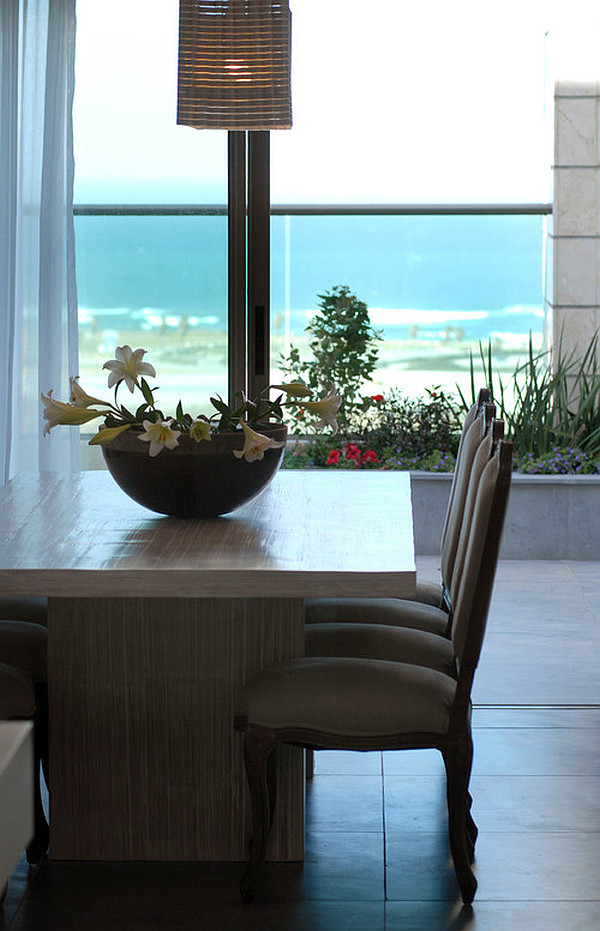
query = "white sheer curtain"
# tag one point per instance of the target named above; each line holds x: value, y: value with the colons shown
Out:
x: 38, y: 304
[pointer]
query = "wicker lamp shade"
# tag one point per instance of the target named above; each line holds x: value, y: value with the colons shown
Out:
x: 234, y: 64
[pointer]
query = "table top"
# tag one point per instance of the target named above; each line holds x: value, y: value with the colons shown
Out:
x: 310, y: 533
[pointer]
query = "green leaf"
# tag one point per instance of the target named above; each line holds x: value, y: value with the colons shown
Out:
x: 108, y: 434
x: 220, y: 406
x: 147, y: 391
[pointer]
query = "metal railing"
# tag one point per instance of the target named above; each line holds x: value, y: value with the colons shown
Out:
x: 300, y: 210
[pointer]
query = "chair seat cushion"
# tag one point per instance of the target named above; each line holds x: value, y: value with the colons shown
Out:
x: 380, y: 641
x: 24, y: 609
x: 349, y: 697
x: 24, y: 646
x: 429, y: 593
x: 398, y: 612
x: 17, y: 698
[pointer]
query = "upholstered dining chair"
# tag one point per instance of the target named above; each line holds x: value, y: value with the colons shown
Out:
x: 24, y: 608
x: 426, y: 592
x: 416, y: 642
x: 418, y: 612
x: 402, y: 630
x: 23, y: 648
x: 18, y: 702
x: 362, y: 704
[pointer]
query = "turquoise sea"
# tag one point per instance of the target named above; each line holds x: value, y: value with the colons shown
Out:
x: 477, y: 275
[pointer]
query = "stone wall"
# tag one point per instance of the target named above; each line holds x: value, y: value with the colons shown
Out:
x: 548, y: 516
x: 573, y: 284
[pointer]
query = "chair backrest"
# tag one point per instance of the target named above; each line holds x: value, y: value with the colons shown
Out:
x: 487, y: 500
x: 470, y: 443
x: 483, y: 454
x: 484, y: 397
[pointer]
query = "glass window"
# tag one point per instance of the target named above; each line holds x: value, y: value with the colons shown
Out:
x: 435, y: 104
x: 392, y: 104
x: 157, y: 278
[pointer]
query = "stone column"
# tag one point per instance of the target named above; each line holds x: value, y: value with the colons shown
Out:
x: 574, y: 233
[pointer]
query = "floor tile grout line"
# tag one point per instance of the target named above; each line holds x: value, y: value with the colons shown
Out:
x: 383, y: 824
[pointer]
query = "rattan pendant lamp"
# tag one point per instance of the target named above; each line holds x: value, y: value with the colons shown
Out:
x: 235, y: 74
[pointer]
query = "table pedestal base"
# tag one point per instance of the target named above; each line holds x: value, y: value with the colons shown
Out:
x: 145, y: 762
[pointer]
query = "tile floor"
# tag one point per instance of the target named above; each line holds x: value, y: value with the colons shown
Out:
x: 377, y: 855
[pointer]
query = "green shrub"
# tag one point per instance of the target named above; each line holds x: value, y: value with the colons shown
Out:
x: 344, y: 349
x: 412, y: 429
x: 394, y: 432
x: 551, y: 402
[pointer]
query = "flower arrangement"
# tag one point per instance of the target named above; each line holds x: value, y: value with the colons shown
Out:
x: 162, y: 432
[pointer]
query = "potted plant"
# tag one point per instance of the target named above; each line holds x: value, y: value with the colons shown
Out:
x: 180, y: 464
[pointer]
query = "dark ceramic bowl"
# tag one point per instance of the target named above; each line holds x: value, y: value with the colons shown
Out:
x: 195, y: 479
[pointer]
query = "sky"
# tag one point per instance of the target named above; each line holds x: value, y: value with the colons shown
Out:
x: 393, y: 101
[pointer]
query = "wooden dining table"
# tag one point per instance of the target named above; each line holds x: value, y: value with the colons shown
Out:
x: 154, y: 625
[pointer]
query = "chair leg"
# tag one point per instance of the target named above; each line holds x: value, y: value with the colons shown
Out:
x: 41, y: 725
x: 458, y: 771
x: 272, y: 786
x: 472, y: 829
x: 257, y: 750
x: 41, y: 838
x: 309, y: 763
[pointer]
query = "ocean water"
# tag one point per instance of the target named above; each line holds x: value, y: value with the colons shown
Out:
x: 421, y: 277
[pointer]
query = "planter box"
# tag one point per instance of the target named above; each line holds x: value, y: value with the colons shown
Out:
x: 548, y: 516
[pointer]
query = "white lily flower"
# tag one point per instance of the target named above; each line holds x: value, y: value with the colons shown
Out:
x: 57, y: 412
x: 127, y: 366
x: 80, y: 398
x: 326, y: 409
x: 295, y: 389
x: 159, y: 435
x: 200, y: 430
x: 255, y: 444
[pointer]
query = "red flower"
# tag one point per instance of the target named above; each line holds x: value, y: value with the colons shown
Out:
x: 369, y: 455
x: 334, y: 457
x: 377, y: 397
x: 352, y: 451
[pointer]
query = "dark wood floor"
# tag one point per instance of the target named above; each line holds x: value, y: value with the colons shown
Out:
x: 377, y: 851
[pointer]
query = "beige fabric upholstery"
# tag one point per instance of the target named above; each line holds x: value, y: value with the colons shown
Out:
x: 353, y: 697
x: 24, y: 609
x: 469, y: 624
x: 394, y: 611
x: 474, y: 412
x: 17, y: 698
x: 480, y: 462
x: 24, y: 646
x: 380, y: 641
x: 454, y: 517
x: 429, y: 593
